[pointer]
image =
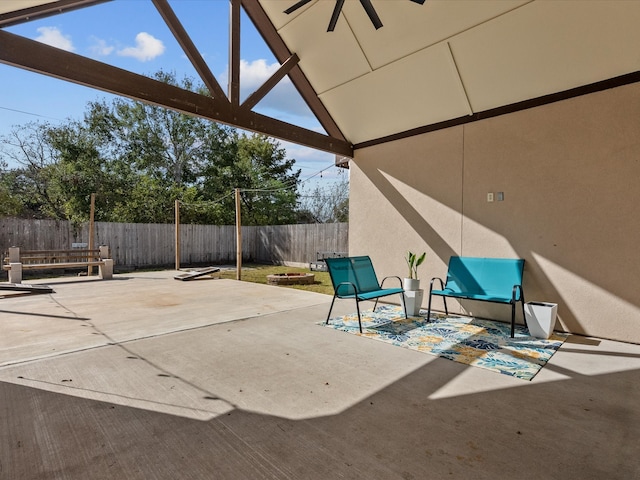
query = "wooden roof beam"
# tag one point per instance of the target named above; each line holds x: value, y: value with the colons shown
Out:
x: 40, y: 58
x: 190, y: 49
x: 281, y: 52
x: 45, y: 10
x: 234, y: 52
x: 253, y: 99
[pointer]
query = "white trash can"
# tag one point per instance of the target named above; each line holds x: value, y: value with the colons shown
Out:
x: 541, y: 318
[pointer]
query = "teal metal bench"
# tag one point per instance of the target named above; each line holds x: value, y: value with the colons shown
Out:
x: 354, y: 277
x: 496, y: 280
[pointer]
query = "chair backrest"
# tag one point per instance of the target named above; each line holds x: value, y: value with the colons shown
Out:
x: 356, y: 270
x: 484, y: 276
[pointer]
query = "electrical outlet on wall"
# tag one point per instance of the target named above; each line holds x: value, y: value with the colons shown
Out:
x: 490, y: 197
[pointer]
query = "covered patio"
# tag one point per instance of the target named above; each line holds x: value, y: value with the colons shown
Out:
x: 536, y: 102
x: 437, y: 108
x: 144, y: 377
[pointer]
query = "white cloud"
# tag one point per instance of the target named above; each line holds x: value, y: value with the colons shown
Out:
x: 54, y: 37
x: 147, y: 48
x: 254, y: 74
x: 283, y: 98
x: 100, y: 48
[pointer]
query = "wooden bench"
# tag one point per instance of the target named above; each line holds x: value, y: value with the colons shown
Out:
x: 19, y: 260
x: 354, y: 277
x: 496, y: 280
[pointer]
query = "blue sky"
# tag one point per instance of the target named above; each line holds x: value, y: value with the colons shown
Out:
x: 130, y: 34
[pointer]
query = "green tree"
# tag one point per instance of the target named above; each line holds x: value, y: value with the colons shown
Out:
x: 258, y: 166
x: 140, y: 158
x: 270, y: 188
x: 81, y: 170
x: 159, y: 154
x: 59, y: 169
x: 326, y: 204
x: 162, y: 143
x: 9, y: 205
x: 29, y: 147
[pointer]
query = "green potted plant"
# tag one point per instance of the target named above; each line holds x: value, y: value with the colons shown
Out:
x: 412, y: 282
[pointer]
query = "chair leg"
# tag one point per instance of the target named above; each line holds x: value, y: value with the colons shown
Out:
x: 524, y: 316
x: 444, y: 300
x: 375, y: 305
x: 404, y: 305
x: 330, y: 308
x: 359, y: 319
x: 513, y: 319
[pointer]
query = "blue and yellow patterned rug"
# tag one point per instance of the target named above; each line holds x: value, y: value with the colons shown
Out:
x: 480, y: 343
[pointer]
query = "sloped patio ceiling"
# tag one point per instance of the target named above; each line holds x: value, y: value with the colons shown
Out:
x: 445, y: 60
x: 431, y: 65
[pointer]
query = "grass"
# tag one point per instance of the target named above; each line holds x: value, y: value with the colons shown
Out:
x: 258, y: 274
x: 255, y: 273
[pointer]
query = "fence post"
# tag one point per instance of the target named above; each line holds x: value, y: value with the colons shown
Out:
x: 91, y: 229
x: 177, y: 209
x: 14, y: 254
x: 146, y: 245
x: 238, y: 237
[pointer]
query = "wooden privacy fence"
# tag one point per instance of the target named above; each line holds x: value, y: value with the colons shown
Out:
x: 136, y: 245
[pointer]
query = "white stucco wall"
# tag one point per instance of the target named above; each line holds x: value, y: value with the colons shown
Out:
x: 569, y: 172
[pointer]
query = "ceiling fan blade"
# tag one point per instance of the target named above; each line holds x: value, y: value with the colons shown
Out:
x: 366, y: 4
x: 296, y: 6
x: 373, y: 16
x: 336, y: 13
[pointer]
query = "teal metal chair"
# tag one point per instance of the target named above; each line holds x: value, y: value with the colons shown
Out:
x: 355, y: 277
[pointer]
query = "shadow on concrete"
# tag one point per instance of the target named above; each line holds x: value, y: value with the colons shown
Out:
x: 558, y: 430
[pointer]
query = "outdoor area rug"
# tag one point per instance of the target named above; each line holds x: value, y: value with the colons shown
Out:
x: 480, y: 343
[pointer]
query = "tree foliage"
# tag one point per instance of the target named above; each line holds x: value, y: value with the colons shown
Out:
x: 139, y: 159
x: 9, y: 204
x: 258, y: 166
x: 329, y: 204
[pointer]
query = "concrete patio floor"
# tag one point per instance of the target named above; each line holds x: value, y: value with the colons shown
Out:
x: 146, y: 377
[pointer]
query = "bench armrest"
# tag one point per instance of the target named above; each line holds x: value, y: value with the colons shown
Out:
x: 391, y: 276
x: 514, y: 298
x: 351, y: 284
x: 433, y: 280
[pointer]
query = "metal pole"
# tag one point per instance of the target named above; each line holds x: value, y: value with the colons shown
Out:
x: 177, y: 212
x: 91, y: 229
x: 238, y: 237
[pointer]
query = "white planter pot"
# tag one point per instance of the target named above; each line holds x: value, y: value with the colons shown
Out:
x: 410, y: 284
x: 413, y: 301
x: 541, y: 318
